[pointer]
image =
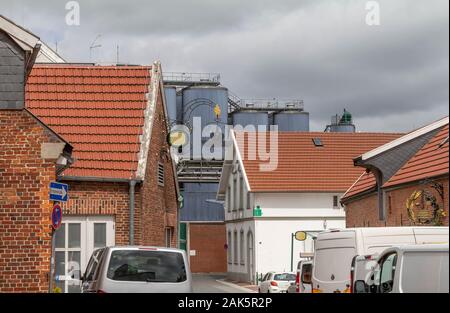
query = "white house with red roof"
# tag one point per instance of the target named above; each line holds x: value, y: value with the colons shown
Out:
x: 295, y: 185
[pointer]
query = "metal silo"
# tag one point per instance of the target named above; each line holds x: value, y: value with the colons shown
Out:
x: 341, y: 124
x: 201, y: 101
x: 179, y: 107
x: 255, y: 118
x: 208, y: 105
x: 171, y: 104
x: 292, y: 121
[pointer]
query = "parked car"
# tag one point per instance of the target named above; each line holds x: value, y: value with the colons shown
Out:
x: 276, y: 282
x: 335, y: 250
x: 137, y: 270
x: 303, y: 278
x: 410, y: 269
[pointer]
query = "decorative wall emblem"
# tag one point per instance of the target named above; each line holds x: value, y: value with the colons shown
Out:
x: 423, y: 209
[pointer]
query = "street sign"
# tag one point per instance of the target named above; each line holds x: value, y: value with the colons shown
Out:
x: 59, y: 192
x: 56, y: 216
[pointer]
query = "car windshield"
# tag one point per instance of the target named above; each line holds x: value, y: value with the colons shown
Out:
x: 147, y: 266
x: 284, y: 277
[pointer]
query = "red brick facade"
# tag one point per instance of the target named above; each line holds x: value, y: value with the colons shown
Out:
x: 363, y: 211
x: 208, y: 241
x: 25, y: 231
x: 155, y: 206
x: 159, y: 203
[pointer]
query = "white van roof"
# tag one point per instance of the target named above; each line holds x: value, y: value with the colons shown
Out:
x: 372, y: 240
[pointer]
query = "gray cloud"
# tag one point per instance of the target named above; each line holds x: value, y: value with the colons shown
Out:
x: 392, y: 77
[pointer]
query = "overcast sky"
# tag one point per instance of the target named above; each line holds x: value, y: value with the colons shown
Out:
x: 392, y: 77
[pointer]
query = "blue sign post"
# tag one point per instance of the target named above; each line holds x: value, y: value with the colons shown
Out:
x: 59, y: 192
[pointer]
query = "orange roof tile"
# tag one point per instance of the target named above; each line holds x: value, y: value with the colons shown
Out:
x: 303, y: 167
x: 98, y: 109
x: 430, y: 161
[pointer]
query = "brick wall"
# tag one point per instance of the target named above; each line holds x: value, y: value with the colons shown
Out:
x: 364, y: 212
x: 159, y: 203
x: 208, y: 241
x: 104, y: 198
x: 25, y: 231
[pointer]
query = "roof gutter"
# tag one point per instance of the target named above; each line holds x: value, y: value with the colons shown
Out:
x: 98, y: 179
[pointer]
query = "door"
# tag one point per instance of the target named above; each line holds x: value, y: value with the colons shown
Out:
x: 75, y: 241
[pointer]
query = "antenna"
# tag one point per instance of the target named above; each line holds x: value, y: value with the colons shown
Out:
x: 94, y: 46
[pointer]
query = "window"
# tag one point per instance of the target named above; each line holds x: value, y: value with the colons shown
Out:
x: 229, y: 248
x: 241, y: 247
x: 161, y: 174
x: 147, y: 266
x: 235, y: 248
x: 168, y: 235
x: 335, y: 202
x: 229, y: 204
x: 387, y: 273
x: 249, y: 201
x: 99, y: 235
x: 241, y: 193
x: 317, y: 142
x: 235, y: 194
x: 284, y: 277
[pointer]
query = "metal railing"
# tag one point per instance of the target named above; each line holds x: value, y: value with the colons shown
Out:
x: 183, y: 77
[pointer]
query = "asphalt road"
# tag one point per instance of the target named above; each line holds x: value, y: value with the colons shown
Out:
x: 204, y: 283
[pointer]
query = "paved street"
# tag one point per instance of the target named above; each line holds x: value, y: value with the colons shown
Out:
x: 205, y: 283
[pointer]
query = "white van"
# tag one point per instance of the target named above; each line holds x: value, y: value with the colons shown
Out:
x: 132, y: 269
x: 335, y: 250
x: 410, y: 269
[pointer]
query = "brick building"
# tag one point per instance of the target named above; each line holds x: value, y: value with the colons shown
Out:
x: 405, y: 182
x: 31, y: 155
x: 122, y: 186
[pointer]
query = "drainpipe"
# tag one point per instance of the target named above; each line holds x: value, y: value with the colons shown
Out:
x: 132, y: 205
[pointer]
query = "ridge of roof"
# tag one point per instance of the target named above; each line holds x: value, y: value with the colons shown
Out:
x: 430, y: 161
x: 408, y: 137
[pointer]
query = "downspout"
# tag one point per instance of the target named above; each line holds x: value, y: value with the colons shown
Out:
x: 132, y: 207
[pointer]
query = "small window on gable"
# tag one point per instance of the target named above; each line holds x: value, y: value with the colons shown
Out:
x: 161, y: 174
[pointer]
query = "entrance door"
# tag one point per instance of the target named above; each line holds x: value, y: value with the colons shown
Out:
x: 250, y: 260
x: 75, y: 241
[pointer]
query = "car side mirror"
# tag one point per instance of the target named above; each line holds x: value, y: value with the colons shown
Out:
x: 360, y: 286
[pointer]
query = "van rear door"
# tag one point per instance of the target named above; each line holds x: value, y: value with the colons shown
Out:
x: 332, y: 261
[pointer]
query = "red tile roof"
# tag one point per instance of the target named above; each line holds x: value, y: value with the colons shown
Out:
x: 303, y: 167
x: 430, y: 161
x: 98, y: 109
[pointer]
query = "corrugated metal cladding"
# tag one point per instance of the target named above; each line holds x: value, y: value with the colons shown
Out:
x: 292, y: 121
x: 201, y: 101
x: 171, y: 103
x: 253, y: 118
x: 197, y: 208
